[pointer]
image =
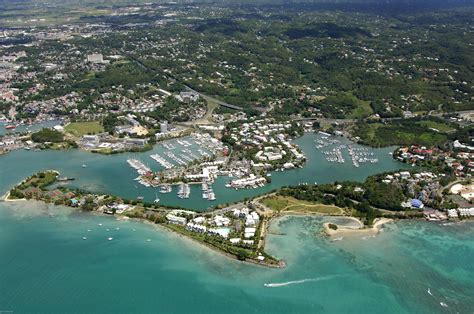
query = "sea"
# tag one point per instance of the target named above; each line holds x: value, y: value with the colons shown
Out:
x: 54, y: 259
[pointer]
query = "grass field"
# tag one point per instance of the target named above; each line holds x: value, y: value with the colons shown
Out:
x: 284, y: 203
x: 83, y: 128
x: 441, y: 127
x: 363, y: 110
x: 399, y: 133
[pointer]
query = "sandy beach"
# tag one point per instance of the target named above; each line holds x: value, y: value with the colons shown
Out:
x: 347, y: 231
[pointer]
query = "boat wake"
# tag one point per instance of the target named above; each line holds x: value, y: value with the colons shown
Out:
x: 295, y: 282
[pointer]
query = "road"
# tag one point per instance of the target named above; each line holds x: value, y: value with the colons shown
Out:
x: 230, y: 106
x: 349, y: 121
x: 209, y: 98
x: 206, y: 97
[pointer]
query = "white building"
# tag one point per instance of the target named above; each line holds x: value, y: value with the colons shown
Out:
x: 95, y: 58
x: 176, y: 219
x: 164, y: 127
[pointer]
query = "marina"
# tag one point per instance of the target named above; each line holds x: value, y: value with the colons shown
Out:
x: 138, y: 166
x: 184, y: 191
x: 113, y: 175
x: 163, y: 162
x: 333, y: 151
x: 166, y: 188
x: 207, y: 192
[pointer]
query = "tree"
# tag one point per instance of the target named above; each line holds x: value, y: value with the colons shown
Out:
x: 242, y: 254
x: 88, y: 204
x: 47, y: 135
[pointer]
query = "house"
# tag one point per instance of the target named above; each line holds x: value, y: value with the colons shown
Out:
x: 235, y: 241
x: 176, y: 219
x: 416, y: 203
x: 188, y: 97
x: 95, y: 58
x: 33, y: 192
x: 249, y: 232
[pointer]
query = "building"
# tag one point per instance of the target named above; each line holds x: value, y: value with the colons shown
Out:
x: 95, y: 58
x: 465, y: 191
x: 176, y: 219
x: 135, y: 142
x: 90, y: 138
x: 188, y: 97
x: 164, y: 127
x: 416, y: 203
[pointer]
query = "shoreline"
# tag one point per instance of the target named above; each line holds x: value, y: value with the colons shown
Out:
x: 281, y: 263
x: 348, y: 231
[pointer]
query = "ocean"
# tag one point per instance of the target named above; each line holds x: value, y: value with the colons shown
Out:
x: 46, y: 265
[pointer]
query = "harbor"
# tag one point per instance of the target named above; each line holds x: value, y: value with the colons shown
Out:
x: 337, y: 150
x: 112, y: 174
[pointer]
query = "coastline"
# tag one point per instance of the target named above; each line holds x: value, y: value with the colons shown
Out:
x: 163, y: 227
x: 348, y: 231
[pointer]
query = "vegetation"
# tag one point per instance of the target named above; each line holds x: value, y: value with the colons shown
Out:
x: 332, y: 226
x: 365, y: 200
x: 399, y: 132
x: 40, y: 180
x: 47, y: 135
x: 284, y: 203
x: 337, y: 60
x: 83, y: 128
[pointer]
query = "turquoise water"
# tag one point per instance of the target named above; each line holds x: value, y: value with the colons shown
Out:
x: 47, y: 267
x: 111, y: 174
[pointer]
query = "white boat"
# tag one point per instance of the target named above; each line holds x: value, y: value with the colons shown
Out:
x: 157, y: 200
x: 165, y: 188
x: 211, y: 196
x: 84, y: 166
x: 110, y: 238
x: 84, y: 238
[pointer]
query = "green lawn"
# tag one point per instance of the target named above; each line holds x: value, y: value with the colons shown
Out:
x: 363, y: 110
x: 283, y: 203
x: 83, y: 128
x: 441, y: 127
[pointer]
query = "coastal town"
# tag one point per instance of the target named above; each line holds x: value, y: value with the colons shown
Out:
x: 311, y: 156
